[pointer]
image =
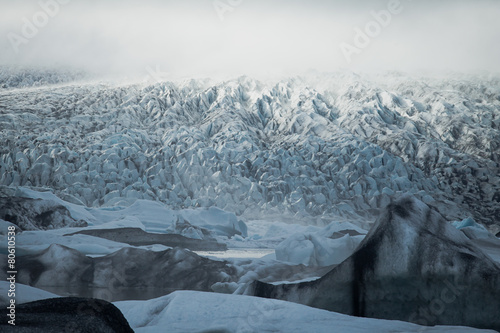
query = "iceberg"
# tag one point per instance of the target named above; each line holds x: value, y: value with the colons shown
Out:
x: 412, y: 266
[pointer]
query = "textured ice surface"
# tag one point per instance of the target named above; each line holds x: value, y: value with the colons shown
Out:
x: 32, y: 210
x: 472, y: 229
x: 33, y: 213
x: 157, y: 217
x: 196, y: 156
x: 30, y: 242
x: 187, y: 311
x: 312, y: 147
x: 328, y: 246
x: 113, y: 275
x: 15, y: 77
x: 139, y: 237
x: 200, y: 312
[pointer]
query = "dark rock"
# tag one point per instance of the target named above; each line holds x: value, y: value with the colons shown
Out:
x: 67, y: 314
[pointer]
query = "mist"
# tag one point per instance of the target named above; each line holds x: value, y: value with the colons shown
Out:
x: 227, y: 38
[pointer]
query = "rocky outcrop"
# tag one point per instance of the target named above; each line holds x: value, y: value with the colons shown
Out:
x: 66, y: 314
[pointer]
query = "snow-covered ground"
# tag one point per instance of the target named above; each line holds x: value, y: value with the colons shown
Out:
x: 191, y: 311
x: 188, y: 311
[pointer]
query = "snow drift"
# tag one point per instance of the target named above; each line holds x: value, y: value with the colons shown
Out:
x: 189, y: 311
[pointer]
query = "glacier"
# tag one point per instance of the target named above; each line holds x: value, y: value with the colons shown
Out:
x: 136, y: 192
x: 184, y: 311
x: 313, y: 147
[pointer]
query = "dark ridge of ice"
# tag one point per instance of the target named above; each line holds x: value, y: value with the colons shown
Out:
x: 35, y: 214
x: 111, y: 277
x: 139, y: 237
x: 412, y: 266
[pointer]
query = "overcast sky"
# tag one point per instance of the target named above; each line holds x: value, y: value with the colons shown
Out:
x: 203, y: 38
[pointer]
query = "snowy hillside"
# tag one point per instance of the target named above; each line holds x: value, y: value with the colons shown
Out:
x: 313, y: 148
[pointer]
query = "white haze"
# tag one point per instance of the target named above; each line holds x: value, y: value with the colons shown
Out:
x: 258, y: 37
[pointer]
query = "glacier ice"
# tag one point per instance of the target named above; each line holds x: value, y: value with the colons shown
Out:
x: 241, y: 160
x: 312, y: 147
x: 328, y: 246
x: 186, y: 311
x: 412, y: 266
x: 472, y: 229
x: 119, y: 274
x: 35, y: 213
x: 138, y: 237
